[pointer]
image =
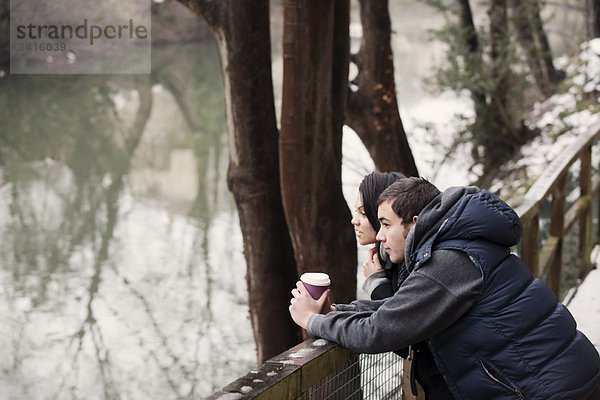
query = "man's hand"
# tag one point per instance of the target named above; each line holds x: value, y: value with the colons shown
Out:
x: 372, y: 264
x: 303, y: 306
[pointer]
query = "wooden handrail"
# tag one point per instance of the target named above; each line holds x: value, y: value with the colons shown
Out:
x: 547, y: 260
x: 313, y: 369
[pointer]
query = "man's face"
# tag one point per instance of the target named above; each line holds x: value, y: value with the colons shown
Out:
x: 393, y: 232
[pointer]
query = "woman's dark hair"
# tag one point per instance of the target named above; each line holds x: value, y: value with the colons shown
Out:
x: 371, y: 187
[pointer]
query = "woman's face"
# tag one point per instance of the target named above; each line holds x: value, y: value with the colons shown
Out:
x: 363, y: 228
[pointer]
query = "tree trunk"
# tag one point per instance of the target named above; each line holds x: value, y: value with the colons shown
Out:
x: 5, y: 35
x: 373, y: 107
x: 499, y: 40
x: 527, y: 41
x: 499, y: 139
x: 551, y: 74
x: 310, y: 145
x: 470, y: 33
x: 473, y: 64
x: 241, y: 28
x: 593, y: 17
x: 532, y: 37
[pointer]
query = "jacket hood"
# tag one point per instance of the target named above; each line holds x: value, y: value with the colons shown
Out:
x: 465, y: 213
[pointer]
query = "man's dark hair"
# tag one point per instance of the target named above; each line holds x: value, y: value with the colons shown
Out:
x: 371, y: 187
x: 409, y: 196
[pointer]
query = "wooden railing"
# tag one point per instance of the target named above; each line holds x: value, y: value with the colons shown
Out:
x: 546, y: 259
x: 318, y: 369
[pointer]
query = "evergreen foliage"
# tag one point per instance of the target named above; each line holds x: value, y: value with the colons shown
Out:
x: 484, y: 60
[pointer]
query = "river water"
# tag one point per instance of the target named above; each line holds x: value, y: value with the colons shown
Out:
x: 121, y: 263
x: 121, y: 266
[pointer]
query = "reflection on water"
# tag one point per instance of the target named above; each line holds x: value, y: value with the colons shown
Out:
x: 120, y: 261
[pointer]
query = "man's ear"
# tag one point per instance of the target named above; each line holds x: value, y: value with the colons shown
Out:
x: 415, y: 219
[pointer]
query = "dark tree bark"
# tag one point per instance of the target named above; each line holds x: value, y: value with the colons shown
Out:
x: 499, y: 136
x: 500, y: 41
x: 534, y: 42
x: 474, y: 62
x: 551, y: 74
x: 373, y: 108
x: 466, y: 19
x: 524, y: 32
x: 593, y: 17
x: 316, y: 31
x: 241, y: 28
x: 4, y: 35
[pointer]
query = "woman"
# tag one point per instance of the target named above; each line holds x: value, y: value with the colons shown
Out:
x: 383, y: 276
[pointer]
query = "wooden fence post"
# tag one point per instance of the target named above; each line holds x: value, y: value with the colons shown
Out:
x: 585, y: 218
x: 557, y: 225
x: 530, y: 244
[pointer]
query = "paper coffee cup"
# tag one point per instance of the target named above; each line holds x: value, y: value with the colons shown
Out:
x: 316, y: 283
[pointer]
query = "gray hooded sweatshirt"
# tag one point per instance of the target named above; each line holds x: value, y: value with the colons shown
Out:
x: 432, y: 297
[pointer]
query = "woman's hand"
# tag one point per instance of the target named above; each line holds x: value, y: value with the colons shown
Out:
x: 303, y: 306
x: 372, y: 264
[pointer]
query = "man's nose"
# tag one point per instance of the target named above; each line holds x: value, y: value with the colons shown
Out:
x: 380, y: 236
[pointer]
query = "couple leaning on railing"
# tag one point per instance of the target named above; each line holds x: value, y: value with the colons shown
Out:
x: 484, y: 327
x: 447, y: 292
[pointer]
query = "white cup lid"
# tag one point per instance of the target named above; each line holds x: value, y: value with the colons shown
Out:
x: 316, y: 278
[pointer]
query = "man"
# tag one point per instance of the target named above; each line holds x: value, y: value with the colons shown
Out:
x: 494, y: 331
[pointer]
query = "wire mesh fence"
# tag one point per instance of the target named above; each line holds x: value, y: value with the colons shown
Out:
x: 367, y: 376
x: 318, y: 370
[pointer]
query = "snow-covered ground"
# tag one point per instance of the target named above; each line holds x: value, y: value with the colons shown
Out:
x: 584, y: 304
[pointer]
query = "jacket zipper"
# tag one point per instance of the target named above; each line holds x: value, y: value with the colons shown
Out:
x: 504, y: 384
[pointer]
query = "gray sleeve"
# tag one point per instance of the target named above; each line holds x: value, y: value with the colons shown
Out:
x: 430, y: 299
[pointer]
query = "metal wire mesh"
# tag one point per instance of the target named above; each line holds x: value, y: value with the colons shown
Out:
x: 367, y: 376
